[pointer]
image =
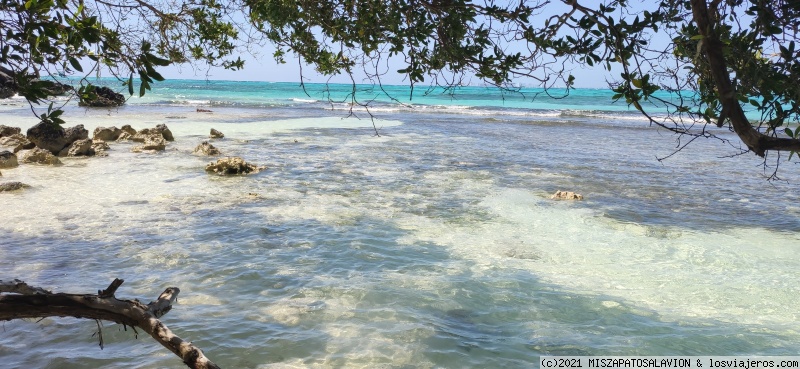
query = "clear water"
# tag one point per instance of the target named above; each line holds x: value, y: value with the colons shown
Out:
x: 433, y: 245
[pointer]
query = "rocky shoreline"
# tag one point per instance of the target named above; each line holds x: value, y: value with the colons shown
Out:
x: 45, y: 143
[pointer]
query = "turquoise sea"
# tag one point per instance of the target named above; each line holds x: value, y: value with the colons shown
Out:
x: 431, y: 244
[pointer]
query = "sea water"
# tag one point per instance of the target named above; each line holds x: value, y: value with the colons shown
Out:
x: 423, y: 238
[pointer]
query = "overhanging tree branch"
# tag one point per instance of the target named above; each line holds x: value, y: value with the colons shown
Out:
x: 18, y: 300
x: 756, y: 141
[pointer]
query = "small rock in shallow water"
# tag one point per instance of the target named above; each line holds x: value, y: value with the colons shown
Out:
x: 8, y: 159
x: 40, y: 156
x: 566, y: 195
x: 12, y: 186
x: 216, y: 134
x: 206, y: 148
x: 232, y: 166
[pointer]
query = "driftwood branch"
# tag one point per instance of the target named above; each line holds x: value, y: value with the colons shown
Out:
x: 18, y: 300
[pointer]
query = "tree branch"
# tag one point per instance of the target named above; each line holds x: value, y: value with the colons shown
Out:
x: 756, y: 141
x: 18, y: 300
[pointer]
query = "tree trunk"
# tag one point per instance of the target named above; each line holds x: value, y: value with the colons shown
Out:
x: 756, y: 141
x: 19, y: 300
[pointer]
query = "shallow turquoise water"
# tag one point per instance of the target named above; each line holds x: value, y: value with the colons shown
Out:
x: 433, y: 245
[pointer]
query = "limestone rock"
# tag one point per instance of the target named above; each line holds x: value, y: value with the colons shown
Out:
x: 127, y: 128
x: 106, y: 134
x: 78, y: 148
x: 6, y: 131
x: 104, y: 98
x: 232, y: 166
x: 55, y: 138
x: 124, y: 136
x: 12, y: 186
x: 17, y: 141
x: 160, y: 130
x: 8, y: 159
x: 206, y: 148
x: 216, y: 134
x: 151, y: 143
x: 566, y: 195
x: 40, y: 156
x: 100, y: 146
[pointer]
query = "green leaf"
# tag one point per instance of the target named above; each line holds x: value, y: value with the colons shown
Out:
x: 789, y: 132
x: 75, y: 64
x: 130, y: 85
x: 637, y: 83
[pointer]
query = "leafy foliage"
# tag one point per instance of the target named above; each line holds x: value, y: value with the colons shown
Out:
x: 54, y: 38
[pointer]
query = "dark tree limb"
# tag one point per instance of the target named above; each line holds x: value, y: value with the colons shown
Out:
x: 18, y: 300
x: 756, y: 141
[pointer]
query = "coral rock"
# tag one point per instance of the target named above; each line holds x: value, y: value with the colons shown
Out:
x: 216, y: 134
x: 12, y: 186
x: 40, y: 156
x: 566, y: 195
x: 8, y: 159
x: 232, y: 166
x: 206, y: 148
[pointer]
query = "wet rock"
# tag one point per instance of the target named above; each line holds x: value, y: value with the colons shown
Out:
x: 232, y: 166
x: 215, y: 134
x: 160, y: 130
x: 54, y: 137
x: 152, y: 143
x: 17, y: 141
x: 78, y: 148
x: 566, y: 195
x: 12, y: 186
x: 103, y: 97
x: 206, y: 148
x: 127, y: 128
x: 124, y: 136
x: 6, y: 131
x: 8, y: 159
x: 100, y: 146
x: 40, y: 156
x: 106, y: 134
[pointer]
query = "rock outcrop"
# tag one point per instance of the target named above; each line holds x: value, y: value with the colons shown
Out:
x: 103, y: 97
x: 6, y: 131
x: 566, y: 195
x: 207, y: 149
x: 106, y: 134
x: 81, y: 147
x: 159, y: 130
x: 8, y: 159
x: 40, y: 156
x: 55, y: 138
x: 12, y: 186
x: 152, y: 143
x: 17, y: 141
x: 128, y: 129
x: 232, y: 166
x: 216, y: 134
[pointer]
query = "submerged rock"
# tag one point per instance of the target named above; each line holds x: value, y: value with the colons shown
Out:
x: 151, y: 143
x: 8, y: 159
x: 232, y: 166
x: 100, y: 146
x: 17, y: 141
x: 106, y: 134
x: 55, y: 138
x: 12, y: 186
x: 566, y: 195
x: 6, y: 131
x: 206, y: 148
x: 40, y: 156
x: 216, y: 134
x: 128, y: 129
x: 104, y: 97
x: 78, y: 148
